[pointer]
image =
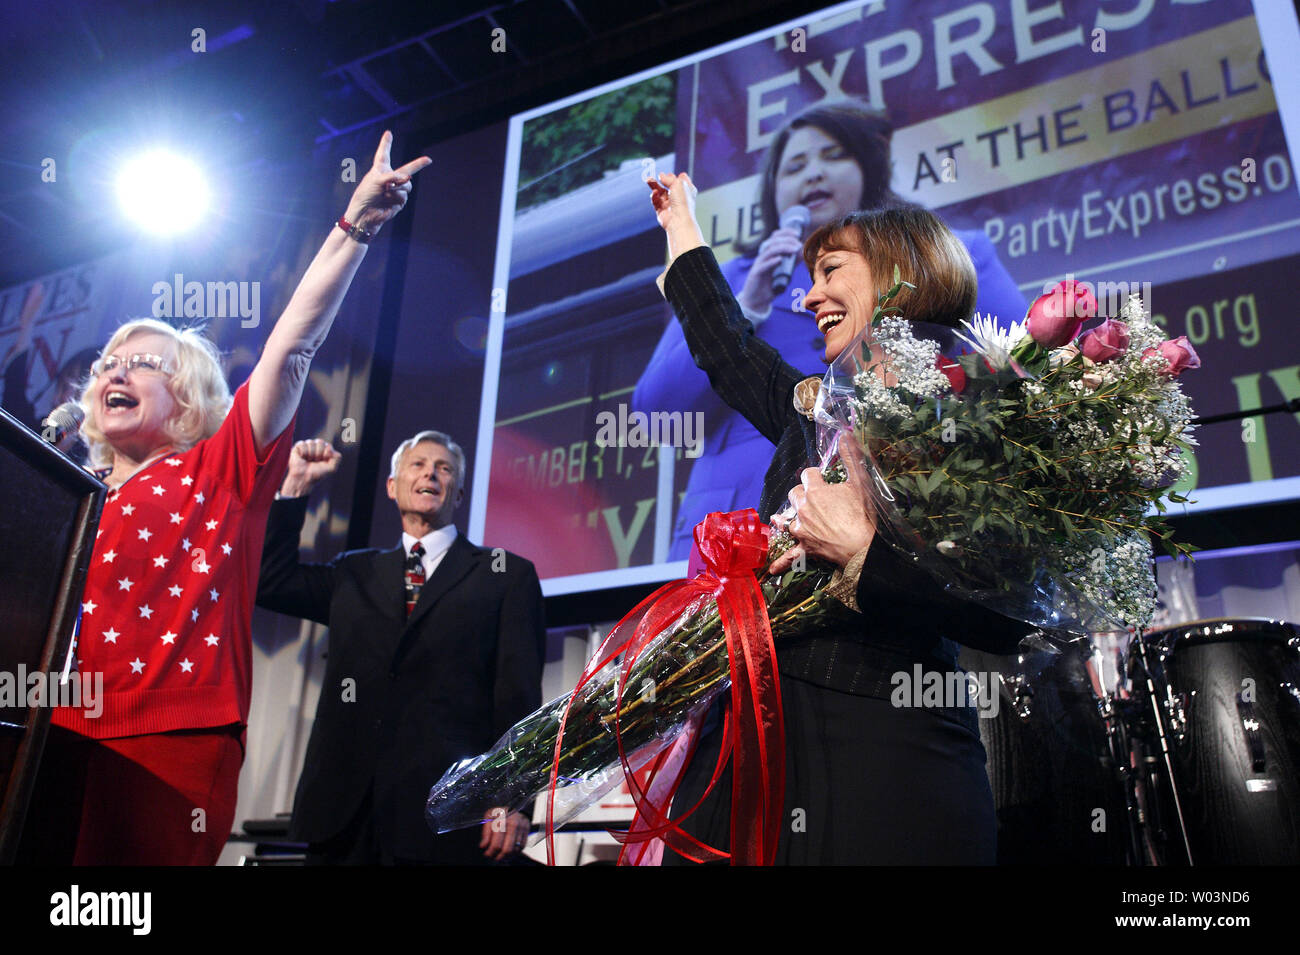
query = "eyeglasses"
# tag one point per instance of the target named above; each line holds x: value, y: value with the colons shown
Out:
x: 137, y: 362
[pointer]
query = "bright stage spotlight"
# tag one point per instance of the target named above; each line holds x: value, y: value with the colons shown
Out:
x: 162, y: 193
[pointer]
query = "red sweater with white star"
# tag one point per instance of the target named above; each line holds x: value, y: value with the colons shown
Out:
x: 169, y: 596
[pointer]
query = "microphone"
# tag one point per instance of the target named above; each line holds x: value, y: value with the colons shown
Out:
x: 797, y: 218
x: 64, y: 420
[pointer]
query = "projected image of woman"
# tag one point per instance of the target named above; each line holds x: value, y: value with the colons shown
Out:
x: 150, y: 774
x: 874, y: 783
x: 831, y: 159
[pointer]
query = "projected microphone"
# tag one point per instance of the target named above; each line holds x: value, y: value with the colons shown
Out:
x: 64, y: 420
x: 797, y: 218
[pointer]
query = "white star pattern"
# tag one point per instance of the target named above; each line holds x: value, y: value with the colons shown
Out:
x: 181, y: 548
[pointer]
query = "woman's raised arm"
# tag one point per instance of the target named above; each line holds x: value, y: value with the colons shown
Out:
x: 276, y: 383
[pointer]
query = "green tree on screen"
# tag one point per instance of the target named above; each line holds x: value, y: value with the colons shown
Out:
x: 574, y: 146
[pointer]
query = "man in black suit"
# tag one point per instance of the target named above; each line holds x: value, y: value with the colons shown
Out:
x: 435, y: 650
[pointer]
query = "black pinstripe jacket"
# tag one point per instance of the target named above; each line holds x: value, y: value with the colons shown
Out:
x: 907, y: 615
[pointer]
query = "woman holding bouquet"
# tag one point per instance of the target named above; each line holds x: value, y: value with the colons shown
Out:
x: 831, y: 159
x: 866, y: 781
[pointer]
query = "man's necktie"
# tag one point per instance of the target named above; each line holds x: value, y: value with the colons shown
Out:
x: 414, y: 576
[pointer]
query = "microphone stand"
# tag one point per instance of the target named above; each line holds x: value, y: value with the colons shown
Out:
x: 1292, y: 406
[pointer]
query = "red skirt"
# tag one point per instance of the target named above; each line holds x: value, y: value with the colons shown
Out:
x: 158, y: 799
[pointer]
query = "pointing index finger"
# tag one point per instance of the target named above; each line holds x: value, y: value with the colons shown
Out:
x: 384, y: 154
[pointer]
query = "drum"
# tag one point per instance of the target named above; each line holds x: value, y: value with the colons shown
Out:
x: 1059, y: 795
x: 1229, y: 695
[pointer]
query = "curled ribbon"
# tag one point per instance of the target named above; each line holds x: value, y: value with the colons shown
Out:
x: 733, y: 547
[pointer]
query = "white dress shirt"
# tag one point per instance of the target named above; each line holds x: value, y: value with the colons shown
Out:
x: 436, y: 544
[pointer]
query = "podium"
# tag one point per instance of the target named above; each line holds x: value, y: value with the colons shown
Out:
x: 49, y: 511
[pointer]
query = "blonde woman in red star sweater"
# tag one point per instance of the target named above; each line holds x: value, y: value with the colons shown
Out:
x: 191, y: 471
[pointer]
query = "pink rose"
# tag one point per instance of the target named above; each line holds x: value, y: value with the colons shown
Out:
x: 1054, y: 318
x: 1104, y: 342
x: 1178, y: 352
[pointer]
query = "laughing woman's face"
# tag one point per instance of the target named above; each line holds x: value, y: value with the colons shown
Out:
x: 842, y: 299
x: 133, y: 405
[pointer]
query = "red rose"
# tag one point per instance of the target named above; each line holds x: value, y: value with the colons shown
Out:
x: 1054, y: 318
x: 1178, y: 352
x: 956, y: 374
x: 1104, y: 342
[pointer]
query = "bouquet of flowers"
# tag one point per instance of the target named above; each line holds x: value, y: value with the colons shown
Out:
x: 1022, y: 466
x: 1019, y: 466
x: 651, y: 681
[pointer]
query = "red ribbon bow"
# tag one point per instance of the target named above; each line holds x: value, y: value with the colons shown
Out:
x: 733, y: 546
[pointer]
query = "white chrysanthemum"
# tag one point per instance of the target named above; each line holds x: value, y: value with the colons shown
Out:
x: 991, y: 341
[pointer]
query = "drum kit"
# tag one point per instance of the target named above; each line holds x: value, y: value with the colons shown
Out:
x: 1172, y: 747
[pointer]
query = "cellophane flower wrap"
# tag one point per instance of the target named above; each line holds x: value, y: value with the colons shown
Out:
x: 647, y: 688
x: 1026, y: 478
